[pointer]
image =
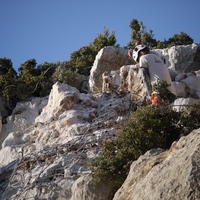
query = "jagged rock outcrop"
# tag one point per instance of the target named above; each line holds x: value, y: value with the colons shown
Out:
x: 48, y: 141
x: 61, y: 98
x: 56, y: 147
x: 179, y: 59
x: 183, y: 58
x: 22, y: 117
x: 108, y: 59
x: 180, y: 103
x: 84, y: 189
x: 172, y: 174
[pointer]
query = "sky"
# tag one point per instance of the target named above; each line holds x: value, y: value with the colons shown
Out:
x: 50, y: 30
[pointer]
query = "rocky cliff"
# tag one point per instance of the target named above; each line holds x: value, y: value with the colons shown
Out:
x: 46, y: 142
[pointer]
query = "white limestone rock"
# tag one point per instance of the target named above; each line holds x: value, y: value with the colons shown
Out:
x: 181, y: 89
x: 108, y: 59
x: 13, y: 139
x: 84, y: 189
x: 173, y: 174
x: 9, y: 154
x: 193, y: 82
x: 182, y: 103
x: 180, y: 76
x: 180, y: 58
x: 61, y: 98
x: 24, y: 114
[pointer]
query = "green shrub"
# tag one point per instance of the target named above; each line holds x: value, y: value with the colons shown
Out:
x: 165, y: 95
x: 148, y: 127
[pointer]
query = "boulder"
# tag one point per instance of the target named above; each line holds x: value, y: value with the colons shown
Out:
x: 23, y: 117
x: 108, y: 59
x: 183, y: 58
x: 193, y: 83
x: 85, y: 189
x: 61, y: 98
x: 182, y: 103
x: 173, y: 174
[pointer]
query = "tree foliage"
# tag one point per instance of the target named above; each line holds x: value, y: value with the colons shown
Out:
x: 6, y: 65
x: 139, y: 33
x: 45, y: 81
x: 8, y: 78
x: 148, y: 127
x: 83, y: 59
x: 28, y: 78
x: 180, y: 39
x: 103, y: 40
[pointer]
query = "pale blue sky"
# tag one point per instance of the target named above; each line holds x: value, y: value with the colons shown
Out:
x: 50, y: 30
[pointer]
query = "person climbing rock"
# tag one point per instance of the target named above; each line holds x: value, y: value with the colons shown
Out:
x: 155, y: 99
x: 152, y: 67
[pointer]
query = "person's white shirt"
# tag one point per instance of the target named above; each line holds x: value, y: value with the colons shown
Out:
x: 157, y: 70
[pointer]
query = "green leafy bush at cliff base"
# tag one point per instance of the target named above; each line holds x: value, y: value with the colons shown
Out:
x: 148, y: 127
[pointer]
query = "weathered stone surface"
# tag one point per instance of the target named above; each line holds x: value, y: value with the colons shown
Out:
x: 57, y: 151
x: 61, y: 98
x: 110, y: 81
x: 135, y: 84
x: 22, y: 117
x: 182, y: 90
x: 108, y: 59
x: 183, y: 58
x: 174, y: 174
x: 84, y: 189
x: 182, y: 103
x: 8, y: 155
x: 179, y: 59
x: 193, y: 83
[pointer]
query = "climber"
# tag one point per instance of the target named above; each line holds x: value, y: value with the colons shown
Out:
x: 155, y: 100
x: 152, y: 68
